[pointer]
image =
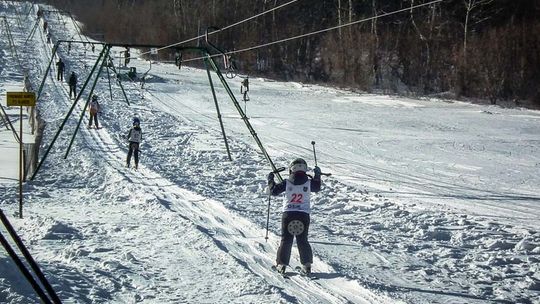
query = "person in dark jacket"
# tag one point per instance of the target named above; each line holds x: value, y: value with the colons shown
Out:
x: 61, y: 67
x: 134, y: 138
x: 72, y: 85
x: 94, y: 108
x: 296, y: 212
x: 126, y: 57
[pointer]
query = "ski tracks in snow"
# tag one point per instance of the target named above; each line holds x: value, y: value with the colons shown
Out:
x: 188, y: 226
x: 231, y: 234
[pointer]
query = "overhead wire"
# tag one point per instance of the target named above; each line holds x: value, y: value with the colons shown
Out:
x: 78, y: 28
x: 224, y: 28
x: 319, y: 31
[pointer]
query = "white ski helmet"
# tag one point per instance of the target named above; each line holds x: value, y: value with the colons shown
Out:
x: 298, y: 165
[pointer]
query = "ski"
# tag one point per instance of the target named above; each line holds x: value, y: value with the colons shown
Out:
x: 284, y: 275
x: 304, y: 274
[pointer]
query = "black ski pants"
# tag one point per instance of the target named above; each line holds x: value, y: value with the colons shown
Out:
x: 72, y: 91
x: 133, y: 150
x: 285, y: 247
x: 94, y: 117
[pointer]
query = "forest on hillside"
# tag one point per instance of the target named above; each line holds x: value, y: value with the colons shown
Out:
x: 471, y: 49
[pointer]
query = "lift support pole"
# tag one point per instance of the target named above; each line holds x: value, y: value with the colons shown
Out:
x: 217, y: 108
x: 24, y: 270
x: 243, y: 115
x: 30, y: 260
x: 118, y: 80
x: 103, y: 61
x: 68, y: 114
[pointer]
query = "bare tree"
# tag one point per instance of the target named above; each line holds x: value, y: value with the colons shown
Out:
x: 470, y: 6
x: 447, y: 46
x: 339, y: 18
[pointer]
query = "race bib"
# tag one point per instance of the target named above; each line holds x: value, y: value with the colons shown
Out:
x: 297, y: 197
x: 135, y: 136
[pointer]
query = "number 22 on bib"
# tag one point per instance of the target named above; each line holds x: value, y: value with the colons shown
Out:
x: 298, y: 197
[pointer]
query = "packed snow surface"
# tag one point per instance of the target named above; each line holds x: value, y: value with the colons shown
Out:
x: 429, y: 201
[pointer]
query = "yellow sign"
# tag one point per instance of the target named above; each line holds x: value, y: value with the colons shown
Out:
x: 27, y: 99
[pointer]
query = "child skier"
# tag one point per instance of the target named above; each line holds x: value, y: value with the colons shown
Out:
x: 61, y: 67
x: 296, y: 212
x: 93, y: 108
x: 73, y: 85
x: 134, y: 137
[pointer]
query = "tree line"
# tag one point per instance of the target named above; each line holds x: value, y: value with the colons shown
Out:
x: 474, y: 49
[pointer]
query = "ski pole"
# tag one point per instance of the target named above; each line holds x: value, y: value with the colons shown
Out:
x: 269, y: 199
x: 315, y: 157
x: 268, y: 216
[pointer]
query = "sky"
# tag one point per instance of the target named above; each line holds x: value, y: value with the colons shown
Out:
x: 429, y: 201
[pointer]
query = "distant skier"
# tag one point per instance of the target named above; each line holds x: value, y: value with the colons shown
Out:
x: 134, y: 138
x: 94, y: 108
x: 61, y: 67
x: 127, y: 57
x: 72, y: 85
x: 244, y: 89
x: 296, y: 212
x: 178, y: 59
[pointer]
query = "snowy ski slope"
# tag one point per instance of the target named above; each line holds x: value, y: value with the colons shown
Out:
x: 429, y: 201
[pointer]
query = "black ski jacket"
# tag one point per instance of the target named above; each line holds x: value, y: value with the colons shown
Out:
x: 298, y: 178
x: 72, y: 80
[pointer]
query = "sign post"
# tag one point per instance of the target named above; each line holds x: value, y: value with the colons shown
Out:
x: 21, y: 99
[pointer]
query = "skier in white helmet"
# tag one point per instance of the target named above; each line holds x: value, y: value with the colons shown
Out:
x: 134, y: 138
x: 296, y: 212
x: 94, y: 109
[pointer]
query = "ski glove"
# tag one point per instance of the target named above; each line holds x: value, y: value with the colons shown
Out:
x: 270, y: 177
x: 317, y: 171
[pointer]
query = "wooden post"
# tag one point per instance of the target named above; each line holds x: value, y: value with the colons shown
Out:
x: 20, y: 99
x: 21, y: 164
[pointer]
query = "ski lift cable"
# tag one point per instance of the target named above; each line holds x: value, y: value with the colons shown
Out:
x: 77, y: 28
x: 224, y: 28
x: 320, y: 31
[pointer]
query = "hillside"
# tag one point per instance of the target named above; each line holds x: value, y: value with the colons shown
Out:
x: 429, y: 201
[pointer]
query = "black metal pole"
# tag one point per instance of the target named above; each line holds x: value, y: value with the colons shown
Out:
x: 217, y: 108
x: 242, y: 114
x: 28, y: 257
x: 47, y: 70
x: 32, y: 32
x: 10, y: 127
x: 118, y: 80
x: 106, y: 49
x: 24, y: 270
x: 67, y: 116
x: 109, y: 78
